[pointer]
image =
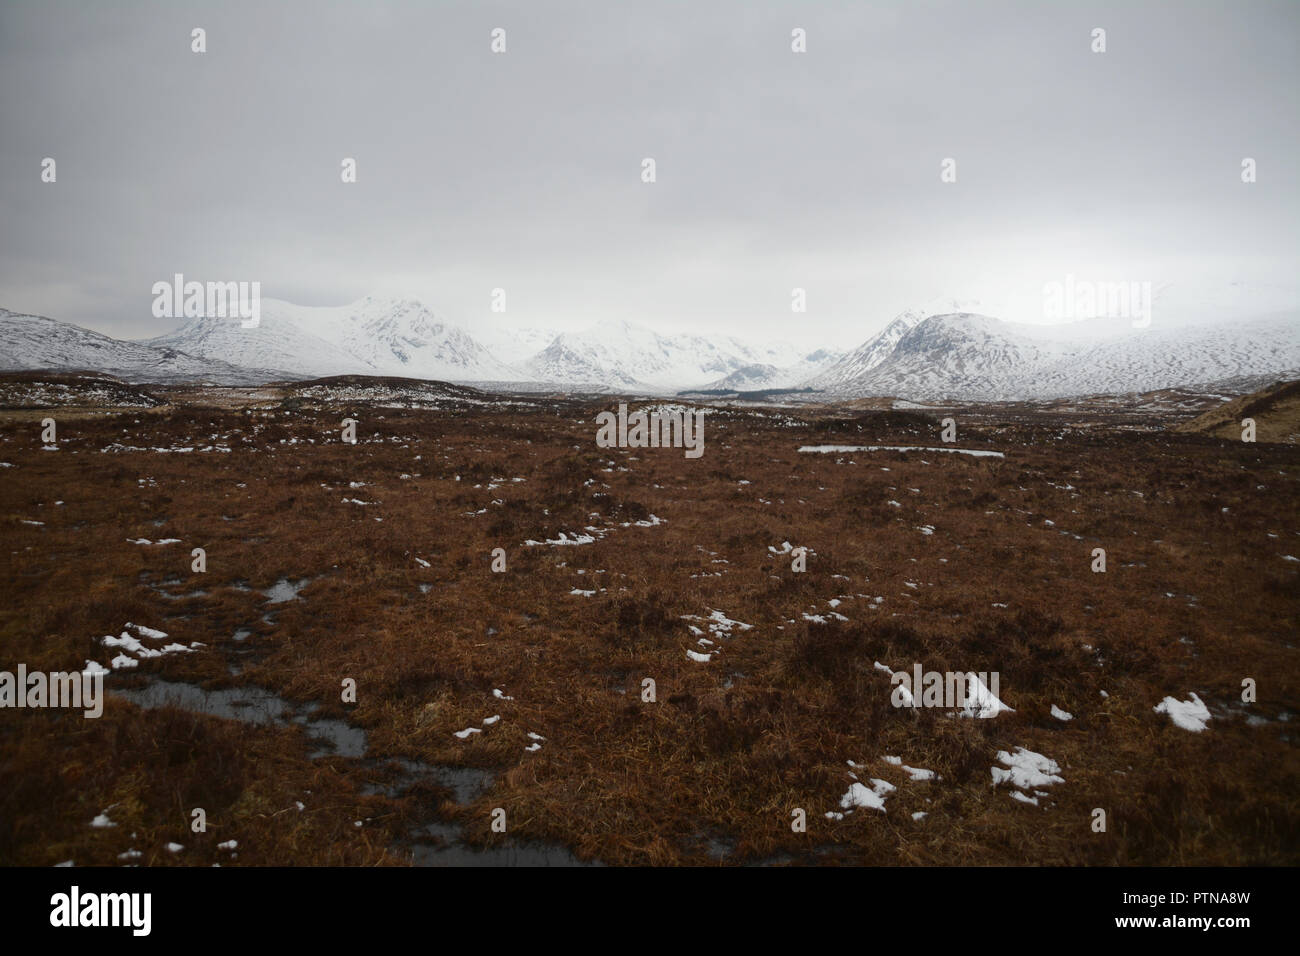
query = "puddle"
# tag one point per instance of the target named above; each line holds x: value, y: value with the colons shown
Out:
x: 161, y: 591
x: 465, y: 783
x: 251, y: 705
x: 248, y: 704
x: 719, y: 848
x: 256, y: 705
x: 343, y: 739
x: 457, y: 854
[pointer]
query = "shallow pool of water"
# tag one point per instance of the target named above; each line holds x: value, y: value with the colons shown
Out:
x: 256, y: 705
x: 454, y: 853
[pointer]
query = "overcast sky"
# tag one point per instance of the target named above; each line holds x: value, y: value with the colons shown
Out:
x: 522, y: 170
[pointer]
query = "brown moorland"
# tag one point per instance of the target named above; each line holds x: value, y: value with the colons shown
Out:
x: 329, y: 562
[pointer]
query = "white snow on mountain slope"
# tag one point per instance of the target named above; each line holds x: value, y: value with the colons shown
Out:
x: 571, y: 361
x: 37, y: 342
x: 876, y: 349
x: 1160, y: 357
x: 961, y: 355
x: 763, y: 376
x: 514, y: 345
x: 632, y: 356
x: 978, y: 358
x: 963, y: 352
x: 748, y: 378
x: 273, y: 342
x: 375, y: 336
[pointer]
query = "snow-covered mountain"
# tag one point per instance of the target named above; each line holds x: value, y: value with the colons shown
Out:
x: 856, y: 364
x: 973, y: 357
x: 1162, y: 357
x: 398, y: 337
x: 373, y: 336
x: 764, y: 376
x: 626, y: 355
x: 960, y: 355
x: 37, y: 342
x: 514, y: 345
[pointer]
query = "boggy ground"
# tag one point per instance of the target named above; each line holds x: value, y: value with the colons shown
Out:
x: 952, y: 561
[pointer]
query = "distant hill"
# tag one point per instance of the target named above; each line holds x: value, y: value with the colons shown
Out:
x: 1275, y: 409
x: 62, y: 389
x: 382, y: 390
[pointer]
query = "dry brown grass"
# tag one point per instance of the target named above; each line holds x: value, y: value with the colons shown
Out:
x: 1275, y: 410
x: 731, y: 746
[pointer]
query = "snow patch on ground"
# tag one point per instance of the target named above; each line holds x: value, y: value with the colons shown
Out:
x: 873, y: 797
x: 848, y: 449
x: 1026, y: 770
x: 1187, y: 714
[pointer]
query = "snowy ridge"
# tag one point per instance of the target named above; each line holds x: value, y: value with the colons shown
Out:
x: 920, y: 356
x: 36, y: 342
x: 763, y: 376
x: 972, y: 357
x: 373, y: 336
x: 514, y: 345
x: 627, y: 355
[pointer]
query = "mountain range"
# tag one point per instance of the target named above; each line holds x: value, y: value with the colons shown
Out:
x: 628, y: 356
x: 372, y: 336
x: 945, y: 349
x: 36, y: 342
x: 972, y: 357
